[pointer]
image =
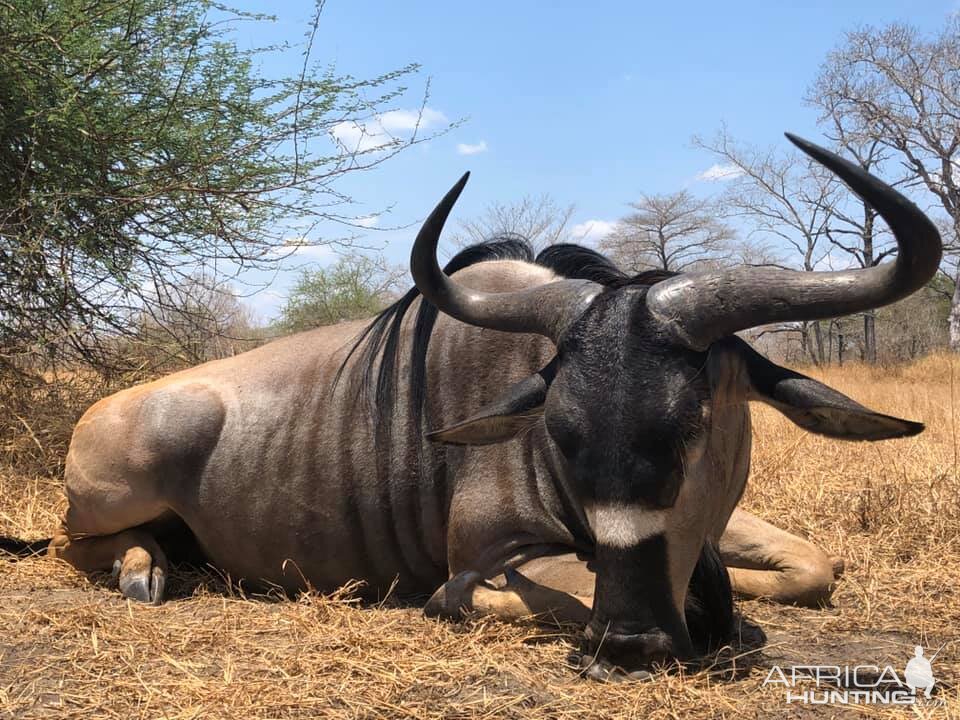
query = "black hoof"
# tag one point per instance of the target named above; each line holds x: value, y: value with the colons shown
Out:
x: 145, y: 587
x: 603, y: 670
x: 136, y: 587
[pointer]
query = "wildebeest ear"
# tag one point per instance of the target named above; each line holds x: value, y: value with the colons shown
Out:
x: 818, y: 408
x: 516, y: 410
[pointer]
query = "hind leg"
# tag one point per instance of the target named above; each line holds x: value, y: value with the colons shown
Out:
x: 767, y: 562
x: 104, y: 529
x: 133, y: 555
x: 128, y: 454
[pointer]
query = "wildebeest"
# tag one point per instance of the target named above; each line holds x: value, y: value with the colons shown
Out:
x: 598, y: 487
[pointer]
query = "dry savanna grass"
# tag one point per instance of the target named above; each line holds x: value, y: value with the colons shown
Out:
x: 70, y: 647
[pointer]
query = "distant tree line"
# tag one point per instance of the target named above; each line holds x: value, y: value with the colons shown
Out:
x: 143, y: 153
x: 888, y: 100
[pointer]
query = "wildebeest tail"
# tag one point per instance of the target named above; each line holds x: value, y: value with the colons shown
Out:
x: 15, y: 548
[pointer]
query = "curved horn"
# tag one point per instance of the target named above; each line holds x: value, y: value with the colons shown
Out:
x: 545, y: 309
x: 705, y: 306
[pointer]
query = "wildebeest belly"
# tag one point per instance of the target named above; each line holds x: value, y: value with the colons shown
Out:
x: 291, y: 531
x: 294, y: 497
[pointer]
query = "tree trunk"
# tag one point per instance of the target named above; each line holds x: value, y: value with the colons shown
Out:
x: 955, y: 315
x: 818, y: 337
x: 869, y: 317
x: 870, y: 337
x: 812, y: 347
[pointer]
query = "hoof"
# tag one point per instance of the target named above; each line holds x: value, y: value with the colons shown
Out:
x: 748, y: 635
x: 838, y: 565
x: 141, y: 579
x: 136, y: 587
x: 603, y: 670
x: 453, y: 599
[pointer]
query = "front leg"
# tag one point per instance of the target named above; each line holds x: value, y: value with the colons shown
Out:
x: 767, y: 562
x: 557, y: 589
x: 560, y: 590
x: 554, y: 590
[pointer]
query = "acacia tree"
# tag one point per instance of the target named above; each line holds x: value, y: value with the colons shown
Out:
x: 356, y: 287
x: 139, y: 143
x: 902, y: 90
x: 672, y: 232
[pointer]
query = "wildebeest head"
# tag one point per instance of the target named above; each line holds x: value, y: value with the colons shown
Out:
x: 637, y: 398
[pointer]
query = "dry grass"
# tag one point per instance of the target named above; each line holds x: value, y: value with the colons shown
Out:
x: 38, y: 412
x: 71, y: 647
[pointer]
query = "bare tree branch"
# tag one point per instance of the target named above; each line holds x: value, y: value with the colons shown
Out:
x: 673, y: 232
x: 536, y: 218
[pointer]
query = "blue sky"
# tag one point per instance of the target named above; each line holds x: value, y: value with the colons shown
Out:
x: 593, y: 104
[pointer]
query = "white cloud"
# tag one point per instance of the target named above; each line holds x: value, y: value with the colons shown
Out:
x: 400, y: 120
x: 468, y: 149
x: 386, y: 130
x: 592, y: 231
x: 367, y: 221
x: 719, y: 173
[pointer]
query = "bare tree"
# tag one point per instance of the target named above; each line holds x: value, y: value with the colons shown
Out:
x: 914, y: 326
x: 191, y: 322
x: 950, y: 267
x: 536, y: 218
x: 902, y: 90
x: 673, y: 232
x: 857, y: 234
x: 853, y: 228
x: 787, y: 199
x: 755, y: 252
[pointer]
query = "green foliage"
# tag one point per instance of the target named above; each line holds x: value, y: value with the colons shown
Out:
x: 138, y: 142
x: 356, y: 287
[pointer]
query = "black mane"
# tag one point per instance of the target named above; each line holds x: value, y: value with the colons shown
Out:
x: 580, y: 263
x: 382, y: 336
x: 377, y: 382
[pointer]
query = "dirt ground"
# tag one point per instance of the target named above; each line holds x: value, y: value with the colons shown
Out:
x: 71, y: 647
